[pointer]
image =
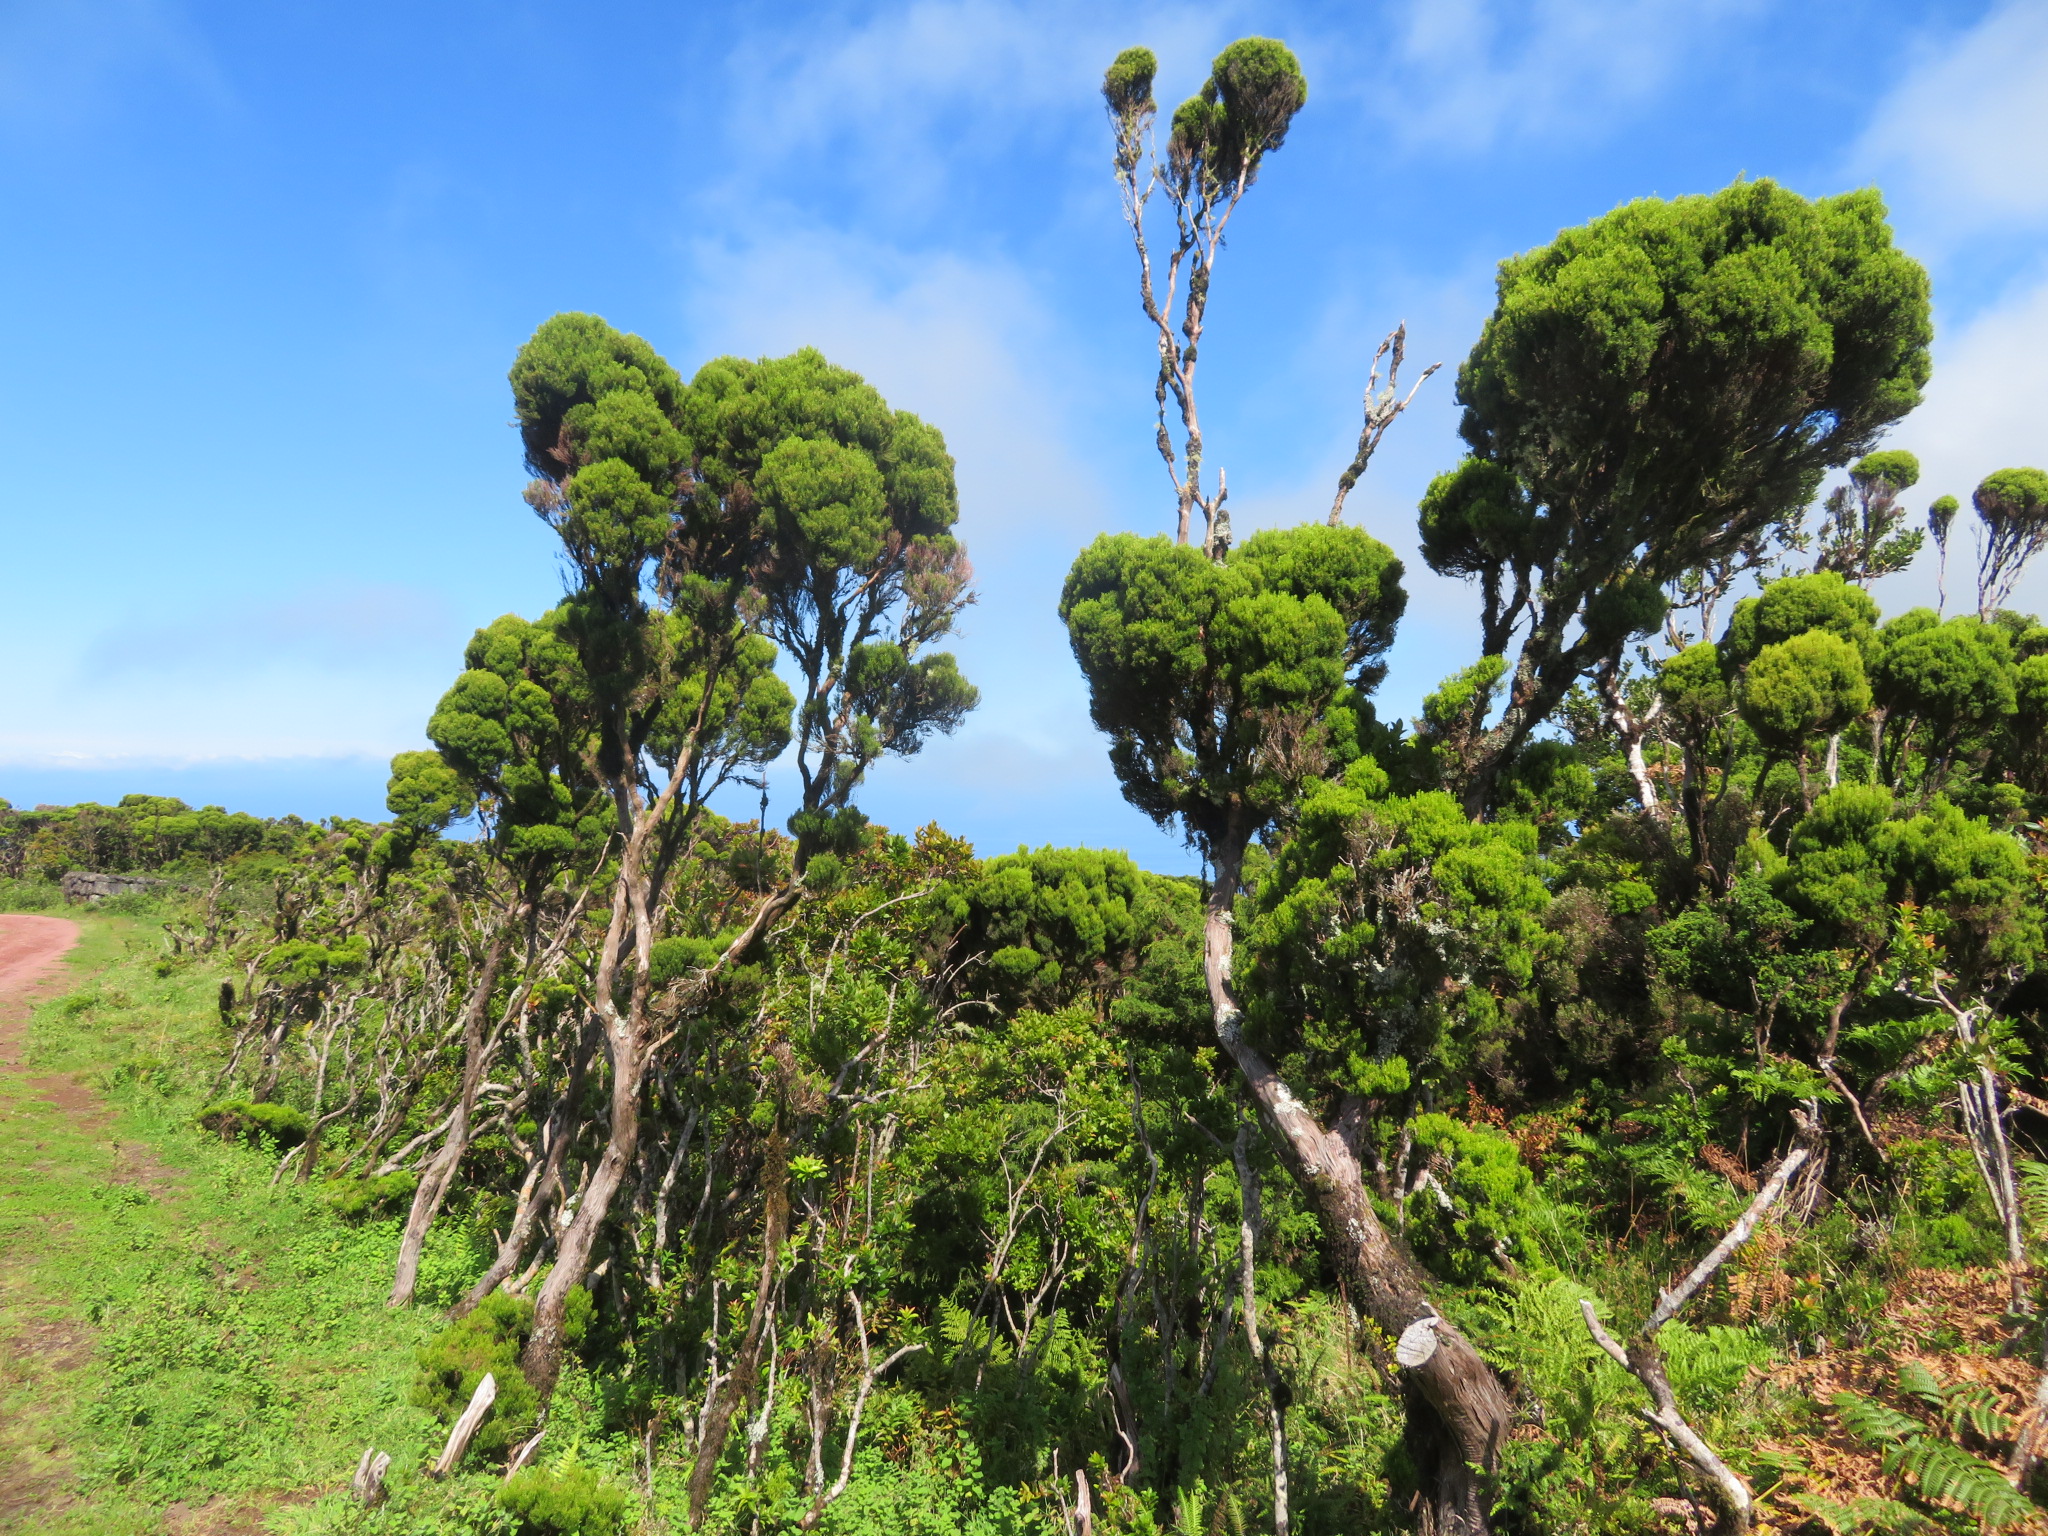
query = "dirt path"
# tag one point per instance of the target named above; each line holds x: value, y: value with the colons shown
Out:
x: 43, y: 1350
x: 30, y: 948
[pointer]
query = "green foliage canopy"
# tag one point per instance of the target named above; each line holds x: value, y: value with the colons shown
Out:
x: 1225, y: 685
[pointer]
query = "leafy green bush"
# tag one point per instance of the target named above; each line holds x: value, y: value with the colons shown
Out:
x: 488, y: 1340
x: 238, y: 1118
x: 567, y: 1501
x: 1485, y: 1206
x: 356, y: 1199
x: 28, y: 896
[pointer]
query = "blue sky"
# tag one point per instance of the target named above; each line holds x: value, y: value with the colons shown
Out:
x: 264, y: 267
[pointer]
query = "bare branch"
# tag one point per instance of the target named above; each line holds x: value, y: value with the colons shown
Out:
x: 1645, y: 1361
x: 1669, y: 1303
x: 1381, y: 407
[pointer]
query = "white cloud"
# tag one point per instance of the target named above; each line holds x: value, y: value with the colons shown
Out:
x: 1464, y: 74
x: 1963, y: 138
x: 970, y: 346
x: 906, y: 104
x: 967, y: 344
x: 1984, y: 411
x: 1961, y: 145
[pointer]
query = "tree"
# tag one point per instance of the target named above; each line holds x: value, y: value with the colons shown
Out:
x: 1943, y: 901
x: 1228, y: 687
x: 1945, y: 689
x: 502, y: 753
x: 1218, y: 140
x: 1661, y: 384
x: 1810, y: 685
x: 782, y: 497
x: 1941, y: 516
x: 1860, y: 536
x: 2012, y: 506
x: 1216, y: 145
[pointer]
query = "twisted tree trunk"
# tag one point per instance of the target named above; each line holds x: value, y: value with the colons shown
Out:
x: 1458, y: 1412
x: 543, y: 1180
x: 439, y: 1173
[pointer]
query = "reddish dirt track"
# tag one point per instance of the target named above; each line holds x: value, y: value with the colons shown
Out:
x: 30, y: 948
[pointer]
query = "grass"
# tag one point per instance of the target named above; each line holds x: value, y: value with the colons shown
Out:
x: 183, y: 1340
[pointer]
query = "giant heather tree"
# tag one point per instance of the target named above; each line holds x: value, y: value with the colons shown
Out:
x: 781, y: 496
x: 1228, y: 682
x: 1651, y: 391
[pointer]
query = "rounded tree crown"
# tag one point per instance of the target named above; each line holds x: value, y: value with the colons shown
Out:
x: 1793, y: 605
x: 2012, y: 495
x: 572, y: 363
x: 1127, y: 83
x: 1893, y: 466
x: 1802, y: 687
x: 1941, y: 516
x: 1242, y: 112
x: 1675, y: 376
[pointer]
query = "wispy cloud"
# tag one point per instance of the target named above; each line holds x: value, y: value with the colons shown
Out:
x: 908, y: 102
x: 1962, y: 138
x: 1959, y: 145
x: 1983, y: 412
x: 1465, y: 75
x: 344, y: 628
x: 342, y: 670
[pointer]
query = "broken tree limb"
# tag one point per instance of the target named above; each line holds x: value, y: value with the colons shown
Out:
x: 1642, y: 1359
x: 368, y: 1483
x: 1381, y: 407
x: 466, y: 1427
x: 523, y: 1455
x: 1670, y: 1301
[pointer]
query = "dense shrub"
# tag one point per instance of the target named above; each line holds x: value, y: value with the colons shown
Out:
x: 488, y: 1340
x: 28, y: 895
x: 234, y: 1119
x: 357, y: 1199
x: 568, y: 1501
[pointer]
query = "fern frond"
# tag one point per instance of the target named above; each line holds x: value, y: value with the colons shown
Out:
x: 2034, y: 1192
x: 1874, y: 1422
x: 1947, y: 1474
x: 1976, y: 1408
x: 1915, y: 1380
x: 1864, y: 1516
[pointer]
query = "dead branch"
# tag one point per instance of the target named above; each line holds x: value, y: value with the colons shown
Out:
x: 1643, y: 1360
x: 1381, y: 407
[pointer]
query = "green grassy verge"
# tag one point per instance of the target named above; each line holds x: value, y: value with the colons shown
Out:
x: 182, y: 1336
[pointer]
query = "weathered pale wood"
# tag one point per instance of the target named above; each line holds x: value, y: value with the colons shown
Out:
x: 368, y: 1484
x: 466, y: 1427
x: 522, y: 1456
x: 1643, y: 1360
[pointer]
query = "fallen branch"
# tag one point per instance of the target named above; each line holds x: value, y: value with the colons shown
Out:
x: 1643, y: 1360
x: 466, y: 1427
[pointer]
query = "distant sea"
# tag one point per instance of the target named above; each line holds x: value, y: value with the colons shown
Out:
x: 309, y: 787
